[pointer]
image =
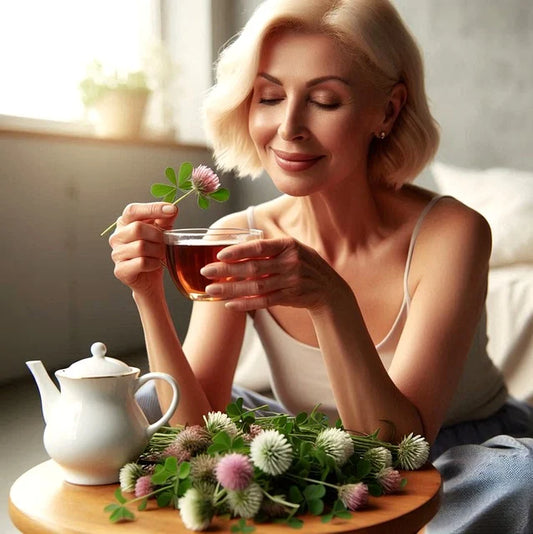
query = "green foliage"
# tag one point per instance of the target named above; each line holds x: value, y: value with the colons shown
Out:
x: 181, y: 182
x: 311, y: 485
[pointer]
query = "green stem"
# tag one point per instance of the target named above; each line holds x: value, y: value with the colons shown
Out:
x: 278, y: 499
x: 315, y: 481
x: 111, y: 226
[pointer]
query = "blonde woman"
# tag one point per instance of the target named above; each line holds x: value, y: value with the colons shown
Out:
x: 367, y: 292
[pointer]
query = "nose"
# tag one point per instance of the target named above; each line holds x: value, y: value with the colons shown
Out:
x: 293, y: 126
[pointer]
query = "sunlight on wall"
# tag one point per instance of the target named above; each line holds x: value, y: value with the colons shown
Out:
x: 46, y: 46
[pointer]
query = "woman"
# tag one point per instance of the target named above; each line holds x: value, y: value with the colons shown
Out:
x: 368, y: 293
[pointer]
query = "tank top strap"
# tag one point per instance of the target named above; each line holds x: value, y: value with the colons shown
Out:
x: 250, y: 216
x: 416, y: 231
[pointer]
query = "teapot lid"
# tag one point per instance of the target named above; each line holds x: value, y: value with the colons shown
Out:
x: 97, y: 365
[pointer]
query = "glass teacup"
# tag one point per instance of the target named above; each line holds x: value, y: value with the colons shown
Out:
x: 190, y: 249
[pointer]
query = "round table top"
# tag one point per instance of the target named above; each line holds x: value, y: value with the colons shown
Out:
x: 40, y: 501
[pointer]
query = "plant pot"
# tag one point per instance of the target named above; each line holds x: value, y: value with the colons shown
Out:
x: 120, y: 112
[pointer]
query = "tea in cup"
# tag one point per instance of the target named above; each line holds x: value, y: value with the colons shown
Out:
x: 190, y: 249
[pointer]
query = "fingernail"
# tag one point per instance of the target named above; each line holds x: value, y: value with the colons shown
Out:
x: 224, y: 254
x: 214, y: 289
x: 208, y: 271
x: 169, y: 208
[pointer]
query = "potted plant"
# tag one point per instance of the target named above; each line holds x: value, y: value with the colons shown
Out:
x: 118, y: 100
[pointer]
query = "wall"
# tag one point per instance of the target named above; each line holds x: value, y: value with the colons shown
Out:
x: 59, y: 294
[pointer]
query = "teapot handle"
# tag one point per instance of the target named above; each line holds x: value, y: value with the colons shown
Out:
x: 173, y: 405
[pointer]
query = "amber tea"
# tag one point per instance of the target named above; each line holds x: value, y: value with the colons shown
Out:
x: 189, y: 250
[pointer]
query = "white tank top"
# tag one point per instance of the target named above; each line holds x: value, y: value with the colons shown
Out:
x: 481, y: 390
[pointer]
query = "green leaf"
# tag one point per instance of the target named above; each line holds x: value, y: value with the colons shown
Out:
x: 364, y: 467
x: 294, y: 522
x: 301, y: 418
x: 203, y: 202
x: 241, y: 526
x: 170, y: 197
x: 171, y: 175
x: 220, y: 195
x: 184, y: 470
x: 343, y: 514
x: 184, y: 173
x: 316, y: 506
x: 186, y: 185
x: 171, y: 465
x: 161, y: 190
x: 142, y: 506
x: 111, y: 507
x: 314, y: 491
x: 326, y: 518
x: 121, y: 514
x: 164, y: 499
x: 295, y: 495
x: 119, y: 497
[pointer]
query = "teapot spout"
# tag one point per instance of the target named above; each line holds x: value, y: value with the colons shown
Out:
x: 49, y: 393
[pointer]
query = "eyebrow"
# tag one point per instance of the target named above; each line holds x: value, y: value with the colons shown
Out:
x: 310, y: 83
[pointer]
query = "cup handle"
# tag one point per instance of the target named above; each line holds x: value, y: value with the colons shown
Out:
x: 173, y: 405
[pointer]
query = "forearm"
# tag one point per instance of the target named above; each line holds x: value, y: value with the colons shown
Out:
x: 165, y: 355
x: 365, y: 394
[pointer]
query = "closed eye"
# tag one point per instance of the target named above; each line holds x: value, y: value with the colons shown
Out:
x: 322, y: 105
x: 270, y: 101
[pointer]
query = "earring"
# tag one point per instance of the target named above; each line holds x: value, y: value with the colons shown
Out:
x: 381, y: 135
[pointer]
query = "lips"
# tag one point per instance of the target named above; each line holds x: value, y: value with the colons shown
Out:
x: 295, y: 161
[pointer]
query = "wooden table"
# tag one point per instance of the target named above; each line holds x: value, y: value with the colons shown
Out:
x: 41, y: 502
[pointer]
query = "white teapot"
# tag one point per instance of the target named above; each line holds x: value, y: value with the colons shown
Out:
x: 95, y: 426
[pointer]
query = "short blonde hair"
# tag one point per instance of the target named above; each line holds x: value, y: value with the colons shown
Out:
x: 372, y: 32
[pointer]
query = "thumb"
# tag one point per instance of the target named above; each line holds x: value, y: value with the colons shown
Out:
x: 170, y: 212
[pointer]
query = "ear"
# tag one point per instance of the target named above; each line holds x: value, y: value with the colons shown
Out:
x: 393, y: 105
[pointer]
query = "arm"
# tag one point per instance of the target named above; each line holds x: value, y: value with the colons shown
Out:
x: 205, y: 378
x: 448, y: 277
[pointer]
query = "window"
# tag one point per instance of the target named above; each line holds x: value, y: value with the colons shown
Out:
x: 46, y: 46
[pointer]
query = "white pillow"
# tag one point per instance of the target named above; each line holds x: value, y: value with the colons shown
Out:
x: 504, y: 197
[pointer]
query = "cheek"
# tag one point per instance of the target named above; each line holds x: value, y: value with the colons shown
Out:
x: 261, y: 127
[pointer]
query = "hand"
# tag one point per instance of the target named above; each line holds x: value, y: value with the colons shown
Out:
x: 138, y: 247
x: 269, y: 272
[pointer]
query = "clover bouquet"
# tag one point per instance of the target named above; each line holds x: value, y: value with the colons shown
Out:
x: 268, y: 467
x: 200, y: 180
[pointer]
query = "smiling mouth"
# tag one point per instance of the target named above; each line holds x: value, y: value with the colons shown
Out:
x: 294, y: 161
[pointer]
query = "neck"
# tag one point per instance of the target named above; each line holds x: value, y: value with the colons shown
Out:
x: 340, y: 220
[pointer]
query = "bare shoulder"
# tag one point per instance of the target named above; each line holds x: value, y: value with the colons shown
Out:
x: 265, y: 216
x: 453, y: 234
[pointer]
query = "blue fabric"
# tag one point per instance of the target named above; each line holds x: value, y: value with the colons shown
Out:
x: 487, y: 488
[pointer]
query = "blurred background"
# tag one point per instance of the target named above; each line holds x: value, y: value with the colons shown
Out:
x: 65, y: 176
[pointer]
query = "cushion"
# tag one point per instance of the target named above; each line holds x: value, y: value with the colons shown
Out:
x: 504, y: 197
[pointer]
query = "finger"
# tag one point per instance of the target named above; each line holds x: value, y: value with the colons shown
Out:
x: 242, y: 269
x: 256, y: 248
x: 136, y: 231
x: 138, y: 249
x: 152, y: 211
x: 244, y: 288
x: 128, y: 271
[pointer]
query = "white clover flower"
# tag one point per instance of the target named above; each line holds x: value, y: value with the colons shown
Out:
x: 246, y: 503
x: 217, y: 421
x: 413, y: 452
x: 379, y: 457
x: 336, y: 443
x: 128, y: 476
x: 195, y: 509
x: 271, y: 452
